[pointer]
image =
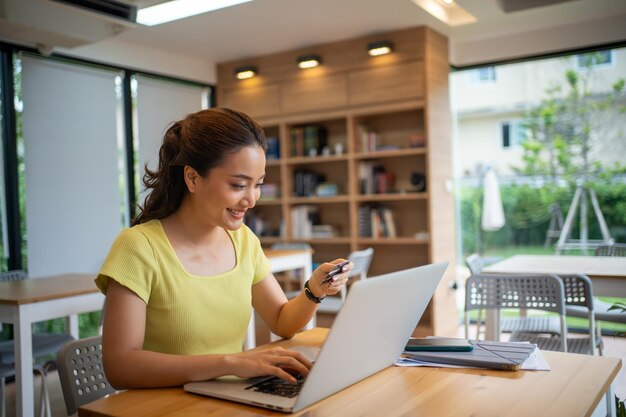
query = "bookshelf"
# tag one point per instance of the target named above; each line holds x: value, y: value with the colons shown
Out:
x: 359, y: 136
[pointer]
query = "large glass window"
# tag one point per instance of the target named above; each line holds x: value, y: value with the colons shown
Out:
x: 70, y: 152
x: 543, y: 126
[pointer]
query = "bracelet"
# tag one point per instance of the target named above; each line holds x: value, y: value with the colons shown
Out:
x: 309, y: 294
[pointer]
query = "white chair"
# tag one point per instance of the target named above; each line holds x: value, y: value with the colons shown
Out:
x: 81, y: 373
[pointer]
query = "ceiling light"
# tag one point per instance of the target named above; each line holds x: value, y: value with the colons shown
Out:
x: 246, y: 72
x: 179, y: 9
x: 447, y: 11
x: 309, y: 61
x: 379, y: 48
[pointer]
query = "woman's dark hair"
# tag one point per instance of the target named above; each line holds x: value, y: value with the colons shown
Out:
x: 201, y: 140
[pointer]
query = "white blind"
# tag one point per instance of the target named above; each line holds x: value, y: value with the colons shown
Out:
x: 159, y: 103
x: 71, y: 156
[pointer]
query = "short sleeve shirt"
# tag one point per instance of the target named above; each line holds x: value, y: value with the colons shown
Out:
x: 186, y: 314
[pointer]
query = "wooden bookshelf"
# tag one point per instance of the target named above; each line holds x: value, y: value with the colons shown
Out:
x: 389, y: 117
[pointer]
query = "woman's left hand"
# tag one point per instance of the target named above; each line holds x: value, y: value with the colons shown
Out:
x: 320, y: 286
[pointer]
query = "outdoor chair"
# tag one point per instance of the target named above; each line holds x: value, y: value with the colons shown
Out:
x: 578, y: 295
x: 616, y: 249
x: 532, y: 292
x: 537, y: 324
x: 81, y: 373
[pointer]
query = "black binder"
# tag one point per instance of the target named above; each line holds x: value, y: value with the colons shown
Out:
x: 493, y: 355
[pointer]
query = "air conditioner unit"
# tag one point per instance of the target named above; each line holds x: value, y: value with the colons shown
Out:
x: 64, y: 23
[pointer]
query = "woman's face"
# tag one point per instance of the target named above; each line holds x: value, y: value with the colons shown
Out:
x: 222, y: 197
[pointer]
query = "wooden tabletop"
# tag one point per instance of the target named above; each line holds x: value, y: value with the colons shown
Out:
x: 574, y: 387
x: 592, y: 266
x: 49, y: 288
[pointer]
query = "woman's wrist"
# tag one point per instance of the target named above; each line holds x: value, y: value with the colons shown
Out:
x: 312, y: 294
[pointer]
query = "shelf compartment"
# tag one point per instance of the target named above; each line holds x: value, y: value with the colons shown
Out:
x: 301, y: 137
x: 392, y: 197
x: 399, y: 171
x: 409, y: 218
x: 305, y: 178
x: 318, y: 200
x: 303, y: 218
x: 316, y: 159
x: 264, y: 220
x: 403, y: 130
x: 391, y: 154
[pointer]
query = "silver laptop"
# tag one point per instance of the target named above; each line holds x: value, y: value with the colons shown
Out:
x: 368, y: 335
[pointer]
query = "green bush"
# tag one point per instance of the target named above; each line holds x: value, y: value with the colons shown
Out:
x: 526, y: 210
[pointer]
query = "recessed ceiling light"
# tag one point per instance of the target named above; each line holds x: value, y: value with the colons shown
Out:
x: 179, y: 9
x: 447, y: 11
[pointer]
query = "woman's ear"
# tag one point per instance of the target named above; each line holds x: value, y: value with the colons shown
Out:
x: 191, y: 178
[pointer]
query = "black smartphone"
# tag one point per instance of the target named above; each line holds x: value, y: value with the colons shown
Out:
x: 335, y: 271
x: 441, y: 344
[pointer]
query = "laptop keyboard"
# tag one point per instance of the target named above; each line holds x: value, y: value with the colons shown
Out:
x: 278, y: 386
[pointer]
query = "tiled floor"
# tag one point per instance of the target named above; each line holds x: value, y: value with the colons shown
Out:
x: 614, y: 346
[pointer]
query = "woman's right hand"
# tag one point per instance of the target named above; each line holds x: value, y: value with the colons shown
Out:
x: 278, y: 362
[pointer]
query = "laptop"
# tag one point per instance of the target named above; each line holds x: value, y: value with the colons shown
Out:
x: 367, y: 336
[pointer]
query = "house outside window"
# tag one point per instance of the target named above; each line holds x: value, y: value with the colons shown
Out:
x: 596, y: 59
x: 482, y: 75
x: 513, y: 134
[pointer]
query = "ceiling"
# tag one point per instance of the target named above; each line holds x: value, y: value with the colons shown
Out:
x: 267, y: 26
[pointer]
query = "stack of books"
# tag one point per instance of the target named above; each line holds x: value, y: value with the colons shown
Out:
x: 376, y: 222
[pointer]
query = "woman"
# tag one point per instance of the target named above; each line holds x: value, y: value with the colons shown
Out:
x: 180, y: 283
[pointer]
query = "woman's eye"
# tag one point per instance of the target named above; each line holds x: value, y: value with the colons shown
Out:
x: 239, y: 186
x: 259, y: 185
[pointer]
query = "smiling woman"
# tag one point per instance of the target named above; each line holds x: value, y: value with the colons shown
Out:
x: 180, y: 283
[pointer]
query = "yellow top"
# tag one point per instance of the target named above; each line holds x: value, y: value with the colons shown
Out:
x: 186, y: 314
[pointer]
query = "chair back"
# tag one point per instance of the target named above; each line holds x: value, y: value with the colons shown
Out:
x: 361, y: 260
x: 12, y: 276
x: 616, y: 249
x: 533, y: 292
x: 475, y: 263
x: 578, y: 291
x: 81, y: 373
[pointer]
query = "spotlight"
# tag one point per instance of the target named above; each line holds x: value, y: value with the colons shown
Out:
x: 379, y: 48
x: 243, y: 73
x: 309, y: 61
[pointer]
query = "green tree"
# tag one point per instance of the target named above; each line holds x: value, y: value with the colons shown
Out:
x: 565, y: 126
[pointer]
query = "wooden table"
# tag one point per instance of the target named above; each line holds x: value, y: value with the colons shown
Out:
x: 607, y: 273
x: 574, y: 387
x: 23, y: 303
x: 284, y: 260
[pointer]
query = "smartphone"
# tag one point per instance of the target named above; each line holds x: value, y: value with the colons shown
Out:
x: 335, y: 271
x: 441, y: 344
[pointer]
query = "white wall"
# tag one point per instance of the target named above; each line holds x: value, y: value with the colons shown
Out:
x: 133, y: 56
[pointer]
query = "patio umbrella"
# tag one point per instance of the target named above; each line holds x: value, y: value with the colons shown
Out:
x: 493, y: 213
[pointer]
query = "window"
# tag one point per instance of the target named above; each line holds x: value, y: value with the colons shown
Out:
x: 594, y: 59
x: 482, y: 75
x: 513, y: 134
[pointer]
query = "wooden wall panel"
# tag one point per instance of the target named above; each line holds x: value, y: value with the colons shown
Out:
x: 305, y: 94
x: 397, y: 82
x: 257, y: 102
